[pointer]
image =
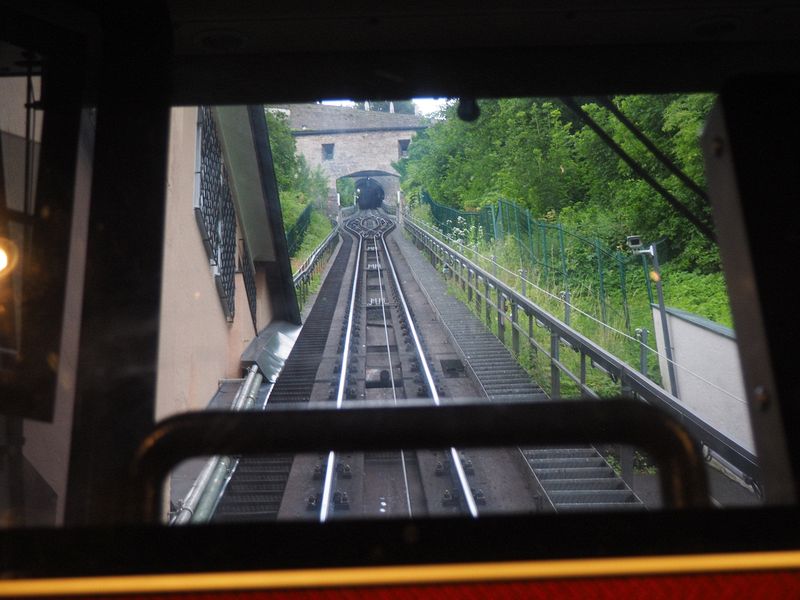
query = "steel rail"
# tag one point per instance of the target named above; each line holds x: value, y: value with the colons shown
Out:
x: 454, y: 458
x: 391, y: 366
x: 329, y: 472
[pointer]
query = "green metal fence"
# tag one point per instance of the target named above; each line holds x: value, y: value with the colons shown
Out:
x: 295, y: 234
x: 562, y: 261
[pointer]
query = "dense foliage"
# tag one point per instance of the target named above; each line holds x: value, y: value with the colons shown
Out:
x: 346, y: 188
x: 536, y: 153
x: 298, y: 185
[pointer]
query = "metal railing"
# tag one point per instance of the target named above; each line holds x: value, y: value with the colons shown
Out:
x: 313, y: 265
x: 348, y: 211
x: 317, y: 430
x: 501, y: 307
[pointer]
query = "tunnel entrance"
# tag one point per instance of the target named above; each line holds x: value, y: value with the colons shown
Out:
x: 369, y: 193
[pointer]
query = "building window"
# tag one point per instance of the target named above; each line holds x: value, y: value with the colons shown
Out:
x: 213, y: 206
x: 402, y: 148
x: 327, y: 151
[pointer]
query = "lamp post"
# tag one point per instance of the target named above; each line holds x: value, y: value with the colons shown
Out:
x: 635, y: 244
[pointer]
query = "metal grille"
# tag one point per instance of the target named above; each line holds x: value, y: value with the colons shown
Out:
x: 214, y: 210
x: 249, y: 275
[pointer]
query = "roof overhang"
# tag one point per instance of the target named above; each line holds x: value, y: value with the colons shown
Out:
x: 246, y: 183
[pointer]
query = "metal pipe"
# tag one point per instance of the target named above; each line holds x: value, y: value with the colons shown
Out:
x: 199, y: 489
x: 673, y: 381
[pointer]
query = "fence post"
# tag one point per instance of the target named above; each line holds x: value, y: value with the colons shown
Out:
x: 543, y: 230
x: 530, y: 239
x: 469, y: 284
x: 562, y: 248
x: 494, y: 220
x: 555, y: 372
x: 565, y: 295
x: 624, y: 290
x: 602, y: 290
x: 641, y: 335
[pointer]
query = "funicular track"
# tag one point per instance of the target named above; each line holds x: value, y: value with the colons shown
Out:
x: 375, y: 335
x: 256, y: 487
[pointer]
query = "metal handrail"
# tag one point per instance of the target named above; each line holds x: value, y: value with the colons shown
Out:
x: 678, y: 456
x: 310, y: 265
x: 644, y: 388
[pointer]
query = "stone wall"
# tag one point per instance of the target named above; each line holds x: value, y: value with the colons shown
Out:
x: 355, y: 152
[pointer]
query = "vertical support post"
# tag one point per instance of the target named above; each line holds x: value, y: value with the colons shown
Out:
x: 494, y: 221
x: 523, y: 282
x: 477, y: 295
x: 400, y: 214
x: 545, y: 253
x: 600, y: 277
x: 624, y: 289
x: 501, y: 315
x: 647, y: 279
x: 555, y: 372
x: 530, y: 238
x: 487, y: 302
x: 641, y: 335
x: 567, y: 306
x: 562, y: 249
x: 515, y: 328
x: 583, y: 373
x: 469, y: 284
x: 494, y: 265
x: 626, y: 464
x: 534, y: 350
x: 664, y: 327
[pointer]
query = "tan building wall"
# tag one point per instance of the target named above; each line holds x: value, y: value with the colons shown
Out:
x: 197, y: 345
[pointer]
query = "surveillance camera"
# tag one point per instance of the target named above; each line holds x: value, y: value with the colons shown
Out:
x: 634, y: 242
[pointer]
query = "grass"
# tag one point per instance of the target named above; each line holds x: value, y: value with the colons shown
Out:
x: 318, y: 229
x: 701, y: 294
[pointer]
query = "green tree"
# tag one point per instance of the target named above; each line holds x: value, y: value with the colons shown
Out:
x: 534, y: 152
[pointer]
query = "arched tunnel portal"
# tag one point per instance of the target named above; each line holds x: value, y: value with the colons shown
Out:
x: 369, y: 193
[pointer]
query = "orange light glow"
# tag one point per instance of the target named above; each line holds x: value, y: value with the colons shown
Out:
x: 8, y: 256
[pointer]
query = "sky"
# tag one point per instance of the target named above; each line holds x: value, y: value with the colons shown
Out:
x: 425, y: 106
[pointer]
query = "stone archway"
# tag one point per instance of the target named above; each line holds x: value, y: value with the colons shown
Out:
x: 369, y: 193
x: 377, y: 187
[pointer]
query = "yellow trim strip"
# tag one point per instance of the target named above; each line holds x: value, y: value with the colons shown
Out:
x: 393, y: 575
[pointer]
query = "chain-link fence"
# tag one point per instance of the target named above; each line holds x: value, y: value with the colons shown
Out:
x: 295, y: 234
x: 581, y: 269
